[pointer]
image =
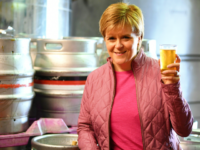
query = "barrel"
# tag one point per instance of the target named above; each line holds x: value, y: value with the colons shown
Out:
x: 100, y: 44
x: 14, y: 148
x: 37, y: 18
x: 33, y: 49
x: 16, y: 84
x: 149, y: 48
x: 55, y: 142
x: 62, y: 67
x: 192, y: 142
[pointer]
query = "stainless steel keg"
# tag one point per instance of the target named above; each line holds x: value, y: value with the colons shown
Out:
x: 62, y: 67
x: 100, y: 44
x: 100, y: 47
x: 14, y: 148
x: 16, y: 84
x: 149, y: 47
x: 33, y: 49
x: 192, y: 142
x: 36, y: 18
x: 55, y: 142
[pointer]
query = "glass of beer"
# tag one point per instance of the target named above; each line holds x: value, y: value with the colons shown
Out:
x: 167, y: 56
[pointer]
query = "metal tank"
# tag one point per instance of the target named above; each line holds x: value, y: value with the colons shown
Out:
x: 36, y: 18
x: 14, y: 148
x: 62, y: 67
x: 100, y: 47
x: 16, y: 84
x: 33, y: 49
x: 55, y: 142
x: 149, y: 47
x: 192, y: 142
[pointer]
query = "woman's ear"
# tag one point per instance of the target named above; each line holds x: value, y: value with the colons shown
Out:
x: 139, y: 39
x: 139, y: 43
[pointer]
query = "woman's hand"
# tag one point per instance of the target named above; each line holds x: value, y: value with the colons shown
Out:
x: 171, y: 76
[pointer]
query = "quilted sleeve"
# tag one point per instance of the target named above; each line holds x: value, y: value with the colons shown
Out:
x: 86, y: 136
x: 179, y: 110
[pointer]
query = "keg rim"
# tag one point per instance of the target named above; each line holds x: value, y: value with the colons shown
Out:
x: 36, y: 144
x: 14, y: 38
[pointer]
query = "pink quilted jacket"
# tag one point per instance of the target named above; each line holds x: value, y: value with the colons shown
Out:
x: 162, y: 109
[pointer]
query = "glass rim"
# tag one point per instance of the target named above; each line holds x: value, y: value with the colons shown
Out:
x: 168, y: 46
x: 171, y: 45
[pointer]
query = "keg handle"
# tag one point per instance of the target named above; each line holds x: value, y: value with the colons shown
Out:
x: 196, y: 131
x: 7, y: 32
x: 53, y: 46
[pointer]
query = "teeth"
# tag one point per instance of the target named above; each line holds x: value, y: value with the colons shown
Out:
x: 120, y: 52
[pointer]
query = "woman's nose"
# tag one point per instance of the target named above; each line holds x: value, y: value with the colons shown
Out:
x: 119, y: 45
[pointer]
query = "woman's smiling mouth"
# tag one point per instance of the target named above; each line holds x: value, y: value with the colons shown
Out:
x: 119, y: 53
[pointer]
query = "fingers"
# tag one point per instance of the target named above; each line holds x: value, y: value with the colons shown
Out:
x: 176, y: 64
x: 173, y: 65
x: 159, y: 62
x: 170, y: 76
x: 170, y: 79
x: 178, y: 60
x: 174, y: 73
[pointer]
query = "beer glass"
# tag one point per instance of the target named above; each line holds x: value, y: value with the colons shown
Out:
x: 167, y: 56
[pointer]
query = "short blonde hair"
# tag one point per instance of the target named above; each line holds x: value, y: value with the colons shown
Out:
x: 120, y: 14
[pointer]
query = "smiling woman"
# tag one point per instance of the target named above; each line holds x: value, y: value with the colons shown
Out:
x: 122, y: 45
x: 126, y: 104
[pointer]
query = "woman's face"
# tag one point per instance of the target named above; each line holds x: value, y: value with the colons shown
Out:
x: 122, y: 45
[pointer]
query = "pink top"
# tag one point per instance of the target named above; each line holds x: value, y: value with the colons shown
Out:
x: 125, y: 121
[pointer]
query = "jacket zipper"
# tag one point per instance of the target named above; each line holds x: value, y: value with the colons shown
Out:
x: 139, y: 112
x: 111, y: 106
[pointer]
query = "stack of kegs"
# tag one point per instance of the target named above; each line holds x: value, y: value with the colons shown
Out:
x: 16, y: 85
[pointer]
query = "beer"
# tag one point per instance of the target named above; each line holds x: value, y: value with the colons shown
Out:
x: 167, y: 56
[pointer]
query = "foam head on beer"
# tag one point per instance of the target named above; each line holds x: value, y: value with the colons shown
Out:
x: 167, y: 56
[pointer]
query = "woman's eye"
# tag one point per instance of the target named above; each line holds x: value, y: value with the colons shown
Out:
x: 126, y: 37
x: 111, y: 38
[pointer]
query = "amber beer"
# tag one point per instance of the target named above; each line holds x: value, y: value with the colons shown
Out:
x: 167, y: 56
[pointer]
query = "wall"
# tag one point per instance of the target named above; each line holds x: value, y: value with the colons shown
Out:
x: 86, y: 15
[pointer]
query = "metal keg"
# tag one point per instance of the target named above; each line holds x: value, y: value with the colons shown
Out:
x: 14, y: 148
x: 100, y: 45
x: 192, y: 142
x: 149, y: 47
x: 55, y: 142
x: 16, y: 84
x: 62, y: 67
x: 36, y: 18
x: 33, y: 50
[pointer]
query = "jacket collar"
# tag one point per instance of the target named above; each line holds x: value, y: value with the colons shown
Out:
x: 139, y: 60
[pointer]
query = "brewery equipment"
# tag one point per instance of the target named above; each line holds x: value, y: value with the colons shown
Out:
x: 16, y: 84
x: 62, y: 67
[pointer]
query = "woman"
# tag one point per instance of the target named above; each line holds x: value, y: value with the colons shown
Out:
x: 127, y: 103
